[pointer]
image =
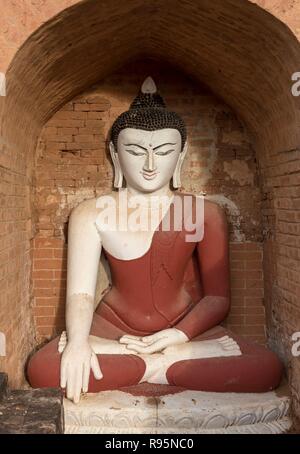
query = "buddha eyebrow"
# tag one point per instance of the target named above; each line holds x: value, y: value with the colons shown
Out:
x: 158, y: 146
x: 135, y: 145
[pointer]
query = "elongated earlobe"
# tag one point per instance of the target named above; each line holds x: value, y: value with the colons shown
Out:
x: 177, y: 171
x: 118, y: 178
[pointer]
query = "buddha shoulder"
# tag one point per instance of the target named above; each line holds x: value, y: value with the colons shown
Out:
x: 213, y: 212
x: 89, y: 210
x: 84, y: 212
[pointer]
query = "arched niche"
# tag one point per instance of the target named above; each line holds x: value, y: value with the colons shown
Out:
x: 244, y: 54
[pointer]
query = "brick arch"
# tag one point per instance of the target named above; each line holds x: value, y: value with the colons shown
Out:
x: 238, y: 49
x: 243, y: 53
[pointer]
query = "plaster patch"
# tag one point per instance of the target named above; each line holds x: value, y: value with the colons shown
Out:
x: 202, y: 130
x: 233, y: 137
x: 239, y: 170
x: 224, y: 201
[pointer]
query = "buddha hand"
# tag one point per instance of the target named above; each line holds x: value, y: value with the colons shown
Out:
x: 156, y: 342
x: 76, y: 364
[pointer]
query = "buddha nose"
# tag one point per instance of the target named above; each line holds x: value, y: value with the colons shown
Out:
x: 150, y: 162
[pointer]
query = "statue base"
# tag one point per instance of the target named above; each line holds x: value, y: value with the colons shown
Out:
x: 185, y: 412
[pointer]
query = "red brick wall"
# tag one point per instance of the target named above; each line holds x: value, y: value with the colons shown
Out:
x: 49, y: 283
x: 16, y: 321
x: 281, y: 215
x: 73, y: 165
x: 247, y: 315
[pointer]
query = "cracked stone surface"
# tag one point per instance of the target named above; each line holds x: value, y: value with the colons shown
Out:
x: 182, y: 413
x: 35, y: 411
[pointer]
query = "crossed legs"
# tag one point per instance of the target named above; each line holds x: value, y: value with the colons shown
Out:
x: 216, y: 361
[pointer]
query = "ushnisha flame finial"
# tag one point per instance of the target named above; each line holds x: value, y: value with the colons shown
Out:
x: 149, y: 86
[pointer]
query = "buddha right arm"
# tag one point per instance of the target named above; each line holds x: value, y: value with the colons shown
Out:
x: 84, y: 248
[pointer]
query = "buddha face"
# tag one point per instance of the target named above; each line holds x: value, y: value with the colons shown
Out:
x: 148, y: 158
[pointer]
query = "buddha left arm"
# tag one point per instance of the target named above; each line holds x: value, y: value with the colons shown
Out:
x: 213, y: 307
x: 213, y: 256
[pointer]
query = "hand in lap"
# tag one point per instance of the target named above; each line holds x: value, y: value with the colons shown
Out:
x: 154, y: 343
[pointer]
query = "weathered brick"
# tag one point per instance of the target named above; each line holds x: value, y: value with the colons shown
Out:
x: 43, y: 253
x: 67, y: 123
x: 48, y: 264
x: 85, y: 138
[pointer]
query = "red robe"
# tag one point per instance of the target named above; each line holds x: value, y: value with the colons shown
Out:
x: 174, y: 284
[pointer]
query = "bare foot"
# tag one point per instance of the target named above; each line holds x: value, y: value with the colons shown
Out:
x: 158, y: 365
x: 224, y: 346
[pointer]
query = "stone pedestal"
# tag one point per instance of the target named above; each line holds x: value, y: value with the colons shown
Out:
x: 187, y: 412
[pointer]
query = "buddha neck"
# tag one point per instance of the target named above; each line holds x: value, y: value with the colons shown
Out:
x: 153, y: 201
x: 165, y: 191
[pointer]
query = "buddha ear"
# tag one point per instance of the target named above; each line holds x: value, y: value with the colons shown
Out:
x: 118, y: 179
x: 177, y: 171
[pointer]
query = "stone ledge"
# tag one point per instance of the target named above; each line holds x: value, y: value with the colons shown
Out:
x: 184, y: 413
x: 35, y: 411
x: 3, y: 385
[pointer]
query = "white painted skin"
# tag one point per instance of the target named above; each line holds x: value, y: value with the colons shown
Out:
x: 148, y: 159
x: 131, y: 243
x: 158, y: 362
x: 147, y: 166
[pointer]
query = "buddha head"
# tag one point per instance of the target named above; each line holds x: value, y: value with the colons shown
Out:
x: 148, y: 143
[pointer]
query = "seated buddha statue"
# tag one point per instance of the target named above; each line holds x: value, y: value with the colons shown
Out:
x: 160, y: 320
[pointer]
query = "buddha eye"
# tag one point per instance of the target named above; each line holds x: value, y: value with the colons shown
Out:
x: 163, y: 153
x: 135, y: 153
